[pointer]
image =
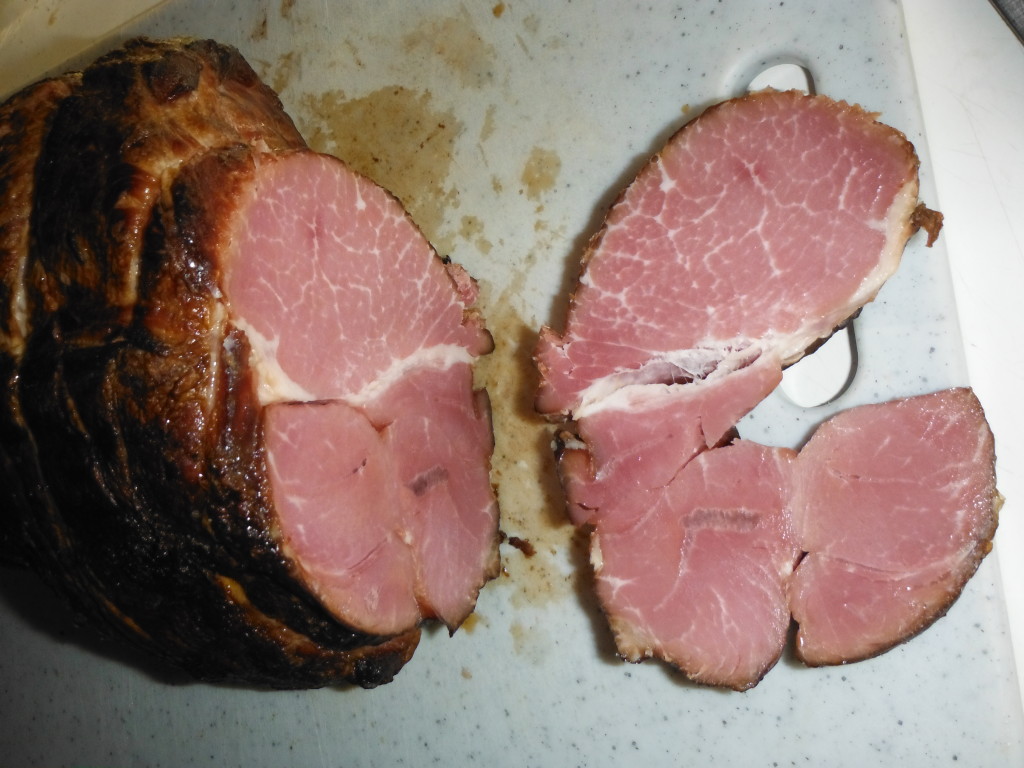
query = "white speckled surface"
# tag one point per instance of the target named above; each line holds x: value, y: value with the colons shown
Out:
x: 596, y: 87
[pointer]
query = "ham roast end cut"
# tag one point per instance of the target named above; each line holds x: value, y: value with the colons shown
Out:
x: 239, y: 427
x: 762, y: 225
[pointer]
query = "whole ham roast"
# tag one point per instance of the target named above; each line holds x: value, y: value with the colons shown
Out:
x: 762, y: 226
x: 239, y: 424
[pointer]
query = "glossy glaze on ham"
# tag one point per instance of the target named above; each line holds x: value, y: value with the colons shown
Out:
x: 242, y: 388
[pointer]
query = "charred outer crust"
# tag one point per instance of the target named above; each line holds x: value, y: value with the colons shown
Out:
x: 134, y: 418
x: 24, y: 120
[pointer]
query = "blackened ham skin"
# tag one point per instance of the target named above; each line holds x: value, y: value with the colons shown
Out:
x: 24, y: 122
x: 135, y: 422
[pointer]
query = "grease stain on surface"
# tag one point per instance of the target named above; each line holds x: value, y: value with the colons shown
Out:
x: 487, y: 129
x: 284, y: 72
x: 259, y: 31
x: 396, y: 137
x: 472, y: 230
x: 523, y: 465
x: 540, y: 172
x: 456, y: 43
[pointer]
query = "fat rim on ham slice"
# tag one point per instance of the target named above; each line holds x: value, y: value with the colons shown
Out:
x: 136, y: 418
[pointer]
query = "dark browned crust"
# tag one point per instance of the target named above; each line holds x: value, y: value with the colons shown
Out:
x: 24, y: 121
x: 133, y: 416
x: 930, y: 221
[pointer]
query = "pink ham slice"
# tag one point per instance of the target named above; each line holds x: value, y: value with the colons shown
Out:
x: 761, y: 227
x: 642, y: 437
x: 377, y: 444
x: 896, y: 505
x: 767, y: 222
x: 698, y: 578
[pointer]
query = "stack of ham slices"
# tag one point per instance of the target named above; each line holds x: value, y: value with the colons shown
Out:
x: 239, y: 424
x: 760, y: 228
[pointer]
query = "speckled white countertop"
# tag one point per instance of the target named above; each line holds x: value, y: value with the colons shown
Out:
x: 548, y: 111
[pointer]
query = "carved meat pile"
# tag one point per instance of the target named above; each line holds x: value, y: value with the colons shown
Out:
x: 761, y: 227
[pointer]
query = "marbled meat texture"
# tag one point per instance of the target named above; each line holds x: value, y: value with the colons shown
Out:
x: 761, y: 227
x: 896, y: 506
x: 242, y: 430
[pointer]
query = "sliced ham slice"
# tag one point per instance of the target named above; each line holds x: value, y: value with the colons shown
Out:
x: 896, y: 505
x: 699, y: 577
x: 761, y: 227
x: 639, y: 439
x: 767, y: 221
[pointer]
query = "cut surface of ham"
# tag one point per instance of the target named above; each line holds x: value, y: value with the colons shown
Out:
x: 896, y: 505
x: 394, y: 342
x: 767, y: 221
x: 699, y: 577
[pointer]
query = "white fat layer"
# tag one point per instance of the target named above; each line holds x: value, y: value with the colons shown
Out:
x: 439, y: 357
x: 276, y: 386
x: 629, y: 390
x: 715, y: 358
x: 273, y: 384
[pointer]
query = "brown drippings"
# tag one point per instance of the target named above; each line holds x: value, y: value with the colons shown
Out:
x: 286, y: 8
x: 472, y: 231
x: 259, y: 31
x: 288, y: 65
x: 470, y: 623
x: 281, y: 73
x: 523, y: 466
x: 523, y: 545
x: 487, y: 129
x: 498, y: 10
x: 540, y: 172
x: 928, y: 220
x: 395, y: 137
x: 455, y: 41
